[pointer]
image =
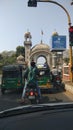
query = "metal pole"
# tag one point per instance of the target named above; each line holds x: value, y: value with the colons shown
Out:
x: 71, y: 63
x: 68, y: 16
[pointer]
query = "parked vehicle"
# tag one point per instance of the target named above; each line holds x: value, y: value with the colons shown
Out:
x: 12, y: 77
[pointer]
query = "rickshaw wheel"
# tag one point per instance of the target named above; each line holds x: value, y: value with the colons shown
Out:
x: 3, y: 90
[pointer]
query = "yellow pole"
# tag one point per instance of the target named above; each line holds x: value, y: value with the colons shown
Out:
x: 71, y: 74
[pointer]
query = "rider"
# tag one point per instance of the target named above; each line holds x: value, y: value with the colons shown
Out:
x: 31, y: 75
x: 54, y: 72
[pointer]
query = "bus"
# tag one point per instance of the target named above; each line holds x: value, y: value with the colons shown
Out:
x: 12, y: 77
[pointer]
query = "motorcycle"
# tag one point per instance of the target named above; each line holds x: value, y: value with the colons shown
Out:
x: 57, y: 82
x: 32, y: 93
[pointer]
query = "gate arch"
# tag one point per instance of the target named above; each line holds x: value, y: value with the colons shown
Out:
x: 39, y: 50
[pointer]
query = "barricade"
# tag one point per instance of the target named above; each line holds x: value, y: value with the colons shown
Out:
x: 66, y: 73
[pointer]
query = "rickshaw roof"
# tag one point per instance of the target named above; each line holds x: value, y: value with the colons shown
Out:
x: 11, y: 67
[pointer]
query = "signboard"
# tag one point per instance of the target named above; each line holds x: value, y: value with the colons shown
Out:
x: 58, y: 43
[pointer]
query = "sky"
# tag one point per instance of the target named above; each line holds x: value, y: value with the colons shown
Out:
x: 16, y: 18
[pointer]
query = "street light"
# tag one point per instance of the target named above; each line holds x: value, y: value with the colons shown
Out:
x: 69, y: 23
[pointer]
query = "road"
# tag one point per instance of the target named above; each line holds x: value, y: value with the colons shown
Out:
x: 0, y: 78
x: 11, y: 99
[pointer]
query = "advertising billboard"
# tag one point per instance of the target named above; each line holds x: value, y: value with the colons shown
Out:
x: 58, y: 43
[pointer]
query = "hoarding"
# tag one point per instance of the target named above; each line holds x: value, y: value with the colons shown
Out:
x: 58, y: 43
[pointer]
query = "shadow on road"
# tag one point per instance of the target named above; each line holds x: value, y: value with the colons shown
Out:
x: 52, y: 90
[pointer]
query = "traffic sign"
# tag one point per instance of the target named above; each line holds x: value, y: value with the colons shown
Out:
x: 58, y: 43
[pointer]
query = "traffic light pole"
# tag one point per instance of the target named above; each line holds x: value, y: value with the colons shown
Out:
x: 68, y: 16
x: 71, y: 64
x: 69, y: 24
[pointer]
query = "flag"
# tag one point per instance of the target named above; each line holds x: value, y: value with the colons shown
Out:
x: 42, y: 32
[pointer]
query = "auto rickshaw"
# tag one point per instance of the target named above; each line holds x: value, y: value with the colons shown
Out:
x: 44, y: 78
x: 12, y: 77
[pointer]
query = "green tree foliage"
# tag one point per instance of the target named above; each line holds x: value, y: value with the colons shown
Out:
x: 7, y: 60
x: 10, y: 57
x: 20, y: 50
x: 1, y: 57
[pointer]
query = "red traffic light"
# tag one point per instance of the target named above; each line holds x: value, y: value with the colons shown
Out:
x: 71, y: 35
x: 71, y: 29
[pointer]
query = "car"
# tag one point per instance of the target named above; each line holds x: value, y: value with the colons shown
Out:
x: 58, y: 116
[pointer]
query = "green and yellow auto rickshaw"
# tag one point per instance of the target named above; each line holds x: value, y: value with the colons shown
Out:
x: 44, y: 78
x: 12, y: 77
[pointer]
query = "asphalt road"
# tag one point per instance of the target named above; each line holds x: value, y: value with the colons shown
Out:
x: 12, y: 99
x: 0, y: 78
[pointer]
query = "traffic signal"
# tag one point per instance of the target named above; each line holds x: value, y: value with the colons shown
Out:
x: 71, y: 35
x: 32, y: 3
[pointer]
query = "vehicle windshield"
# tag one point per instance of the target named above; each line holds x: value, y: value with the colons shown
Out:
x: 11, y: 74
x: 36, y: 52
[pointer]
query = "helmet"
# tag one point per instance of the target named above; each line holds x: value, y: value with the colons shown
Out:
x: 53, y: 67
x: 32, y: 63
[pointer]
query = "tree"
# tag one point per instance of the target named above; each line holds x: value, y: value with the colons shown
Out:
x: 20, y: 50
x: 1, y: 57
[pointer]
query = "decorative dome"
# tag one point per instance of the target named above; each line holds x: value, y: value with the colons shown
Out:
x: 40, y: 46
x: 27, y: 35
x: 20, y: 58
x: 55, y: 34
